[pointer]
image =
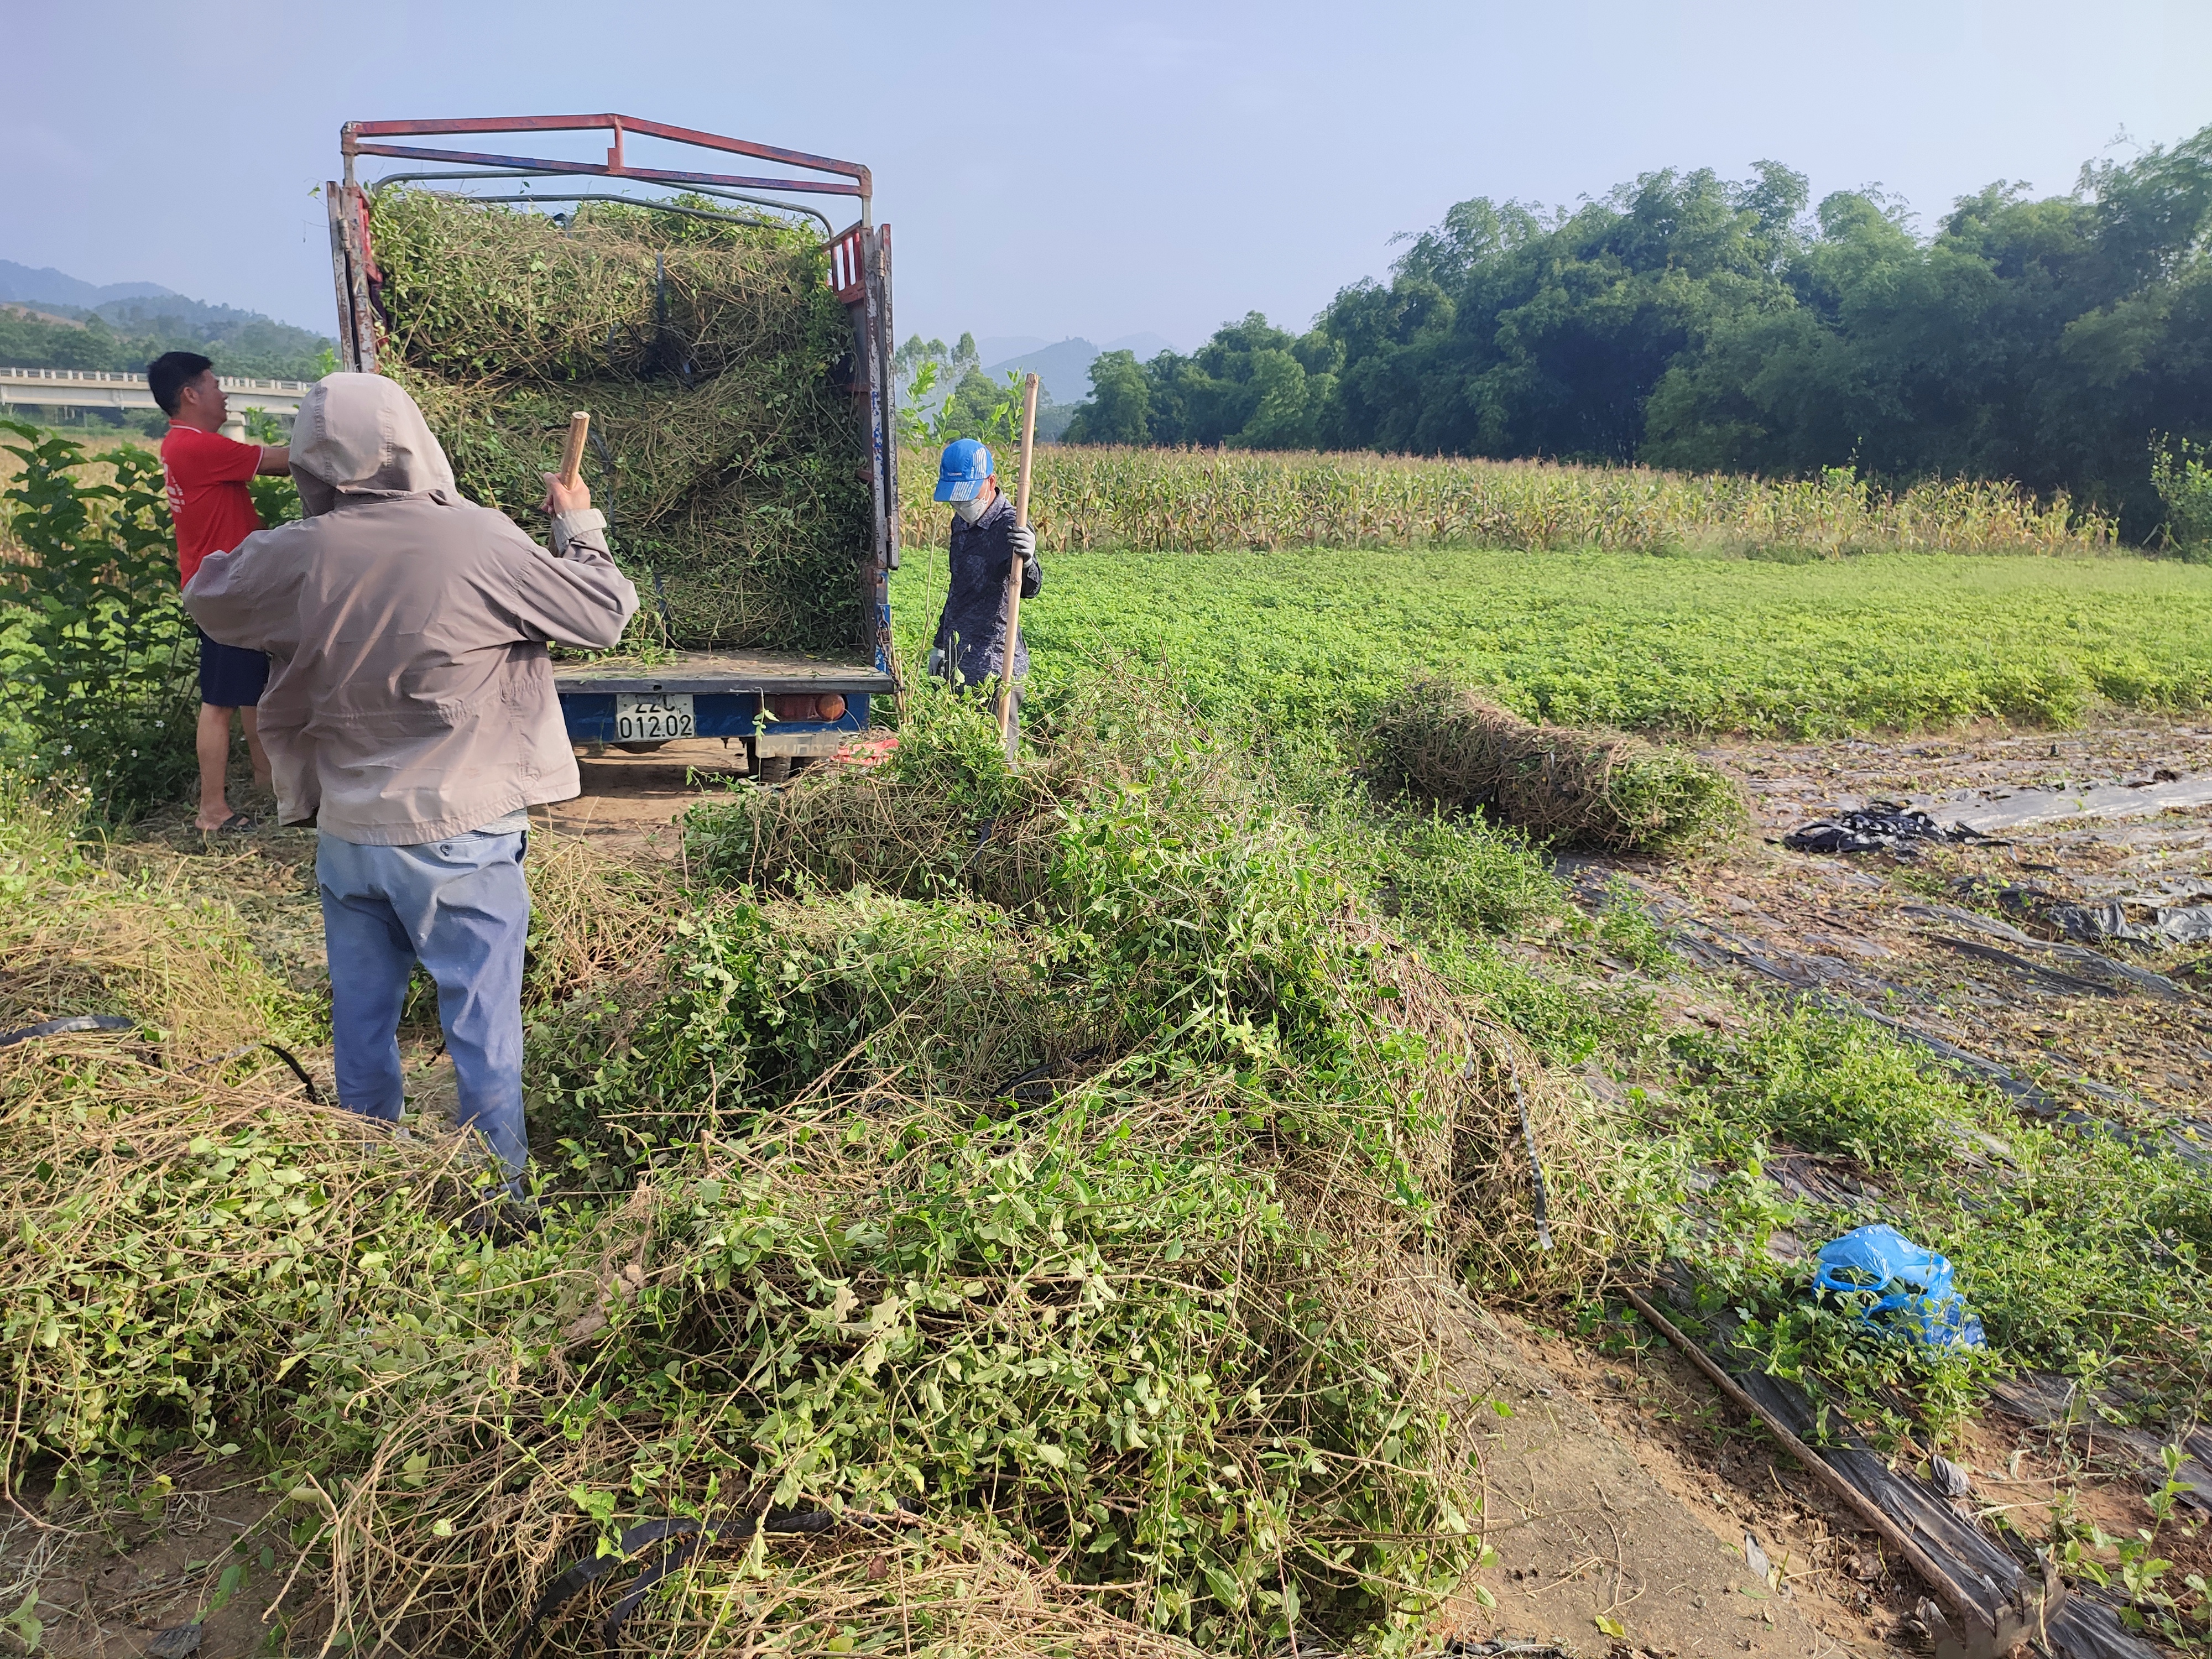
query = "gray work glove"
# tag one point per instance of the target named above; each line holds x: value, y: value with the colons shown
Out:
x: 933, y: 665
x: 1022, y: 540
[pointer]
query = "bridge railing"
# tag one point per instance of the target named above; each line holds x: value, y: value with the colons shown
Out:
x: 230, y: 382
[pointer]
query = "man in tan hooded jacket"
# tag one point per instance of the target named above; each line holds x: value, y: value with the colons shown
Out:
x: 411, y: 717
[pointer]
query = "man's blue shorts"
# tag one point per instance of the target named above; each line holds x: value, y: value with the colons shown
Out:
x: 231, y: 677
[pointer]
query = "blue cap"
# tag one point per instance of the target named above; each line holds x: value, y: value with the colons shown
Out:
x: 961, y: 474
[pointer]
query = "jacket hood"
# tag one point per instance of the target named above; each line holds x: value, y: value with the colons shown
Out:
x: 362, y: 435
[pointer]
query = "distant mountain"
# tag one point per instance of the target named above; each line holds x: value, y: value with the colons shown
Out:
x: 124, y: 325
x: 1063, y: 370
x: 168, y: 313
x: 993, y: 347
x: 52, y: 287
x: 1146, y: 346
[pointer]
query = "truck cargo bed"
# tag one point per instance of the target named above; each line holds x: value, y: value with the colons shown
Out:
x: 698, y: 672
x: 786, y: 706
x: 766, y: 698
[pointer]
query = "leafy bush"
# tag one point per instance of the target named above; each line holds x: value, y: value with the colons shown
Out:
x: 945, y: 813
x: 2080, y: 1253
x: 1828, y: 1085
x: 109, y: 663
x: 2181, y: 472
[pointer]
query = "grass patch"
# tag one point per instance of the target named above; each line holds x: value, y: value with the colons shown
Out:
x: 1083, y: 1224
x: 79, y: 935
x: 1304, y: 641
x: 1060, y: 1154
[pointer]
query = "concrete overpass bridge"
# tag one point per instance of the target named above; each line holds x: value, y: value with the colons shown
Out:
x: 93, y: 388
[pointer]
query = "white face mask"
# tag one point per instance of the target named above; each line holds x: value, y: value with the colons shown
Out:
x: 971, y: 511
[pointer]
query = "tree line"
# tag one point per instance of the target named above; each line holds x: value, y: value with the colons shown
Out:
x: 1686, y: 321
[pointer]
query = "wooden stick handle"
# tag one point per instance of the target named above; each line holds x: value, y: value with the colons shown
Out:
x: 1014, y: 569
x: 572, y: 453
x: 1028, y: 437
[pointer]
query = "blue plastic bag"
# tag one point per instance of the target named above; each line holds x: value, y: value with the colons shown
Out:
x: 1905, y: 1279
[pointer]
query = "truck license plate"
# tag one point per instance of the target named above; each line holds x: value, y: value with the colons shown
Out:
x: 652, y: 717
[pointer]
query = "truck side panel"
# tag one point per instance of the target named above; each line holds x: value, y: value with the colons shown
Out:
x: 591, y: 716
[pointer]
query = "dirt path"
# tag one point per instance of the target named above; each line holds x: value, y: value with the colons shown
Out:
x: 634, y: 801
x: 1610, y: 1541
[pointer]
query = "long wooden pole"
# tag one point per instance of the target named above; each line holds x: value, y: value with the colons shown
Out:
x: 1014, y: 569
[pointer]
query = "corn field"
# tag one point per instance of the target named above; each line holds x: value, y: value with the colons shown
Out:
x: 1083, y: 497
x: 1216, y: 500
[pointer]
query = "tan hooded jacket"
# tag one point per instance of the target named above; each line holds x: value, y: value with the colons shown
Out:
x: 409, y: 695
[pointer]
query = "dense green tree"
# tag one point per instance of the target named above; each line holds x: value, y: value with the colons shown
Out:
x: 1118, y: 407
x: 1690, y: 321
x: 1505, y: 332
x: 1252, y: 386
x: 974, y: 399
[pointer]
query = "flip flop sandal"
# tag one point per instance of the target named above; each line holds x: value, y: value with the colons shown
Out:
x: 236, y: 824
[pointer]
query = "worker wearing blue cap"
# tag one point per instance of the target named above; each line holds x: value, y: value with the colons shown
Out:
x: 970, y: 646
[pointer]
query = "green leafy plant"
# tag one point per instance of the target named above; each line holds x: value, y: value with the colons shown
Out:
x: 108, y: 661
x: 2181, y: 472
x: 276, y: 500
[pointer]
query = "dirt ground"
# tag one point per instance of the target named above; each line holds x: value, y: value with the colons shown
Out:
x: 1609, y: 1541
x: 208, y: 1554
x: 634, y: 800
x: 1959, y: 946
x: 1958, y: 943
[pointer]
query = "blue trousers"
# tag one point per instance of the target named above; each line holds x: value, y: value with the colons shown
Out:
x: 461, y: 908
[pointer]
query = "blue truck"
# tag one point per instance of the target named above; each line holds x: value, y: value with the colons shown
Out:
x: 786, y: 708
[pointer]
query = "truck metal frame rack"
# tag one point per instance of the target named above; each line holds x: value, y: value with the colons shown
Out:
x: 736, y: 695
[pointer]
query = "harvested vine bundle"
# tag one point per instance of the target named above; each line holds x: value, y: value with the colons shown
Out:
x: 727, y: 455
x: 1561, y: 785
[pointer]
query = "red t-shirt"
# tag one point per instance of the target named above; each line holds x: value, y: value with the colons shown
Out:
x: 205, y: 473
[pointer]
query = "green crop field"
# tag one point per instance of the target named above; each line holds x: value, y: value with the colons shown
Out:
x: 1293, y: 638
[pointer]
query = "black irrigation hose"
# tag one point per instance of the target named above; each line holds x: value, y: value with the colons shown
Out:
x: 122, y: 1023
x: 280, y: 1051
x: 68, y: 1022
x: 695, y: 1536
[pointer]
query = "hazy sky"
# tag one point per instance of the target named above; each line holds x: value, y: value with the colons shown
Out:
x: 1048, y: 170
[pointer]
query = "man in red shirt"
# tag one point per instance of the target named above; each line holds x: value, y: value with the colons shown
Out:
x: 213, y: 512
